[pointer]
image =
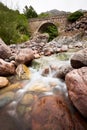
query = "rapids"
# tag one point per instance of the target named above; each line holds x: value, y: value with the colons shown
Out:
x: 16, y: 104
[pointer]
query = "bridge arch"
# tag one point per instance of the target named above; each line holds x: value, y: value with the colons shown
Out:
x: 50, y: 28
x: 36, y: 24
x: 44, y: 26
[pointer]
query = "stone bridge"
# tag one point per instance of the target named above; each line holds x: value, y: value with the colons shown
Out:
x: 37, y: 24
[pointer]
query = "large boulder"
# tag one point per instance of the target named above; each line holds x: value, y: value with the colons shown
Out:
x: 6, y: 68
x: 63, y: 70
x: 5, y: 51
x: 76, y: 82
x: 79, y: 59
x: 51, y: 113
x: 24, y: 56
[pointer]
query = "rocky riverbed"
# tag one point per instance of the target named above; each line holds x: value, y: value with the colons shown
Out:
x: 51, y: 91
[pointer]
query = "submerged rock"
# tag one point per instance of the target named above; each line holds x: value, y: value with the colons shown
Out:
x: 51, y: 113
x: 76, y: 82
x: 27, y: 99
x: 39, y: 87
x: 6, y: 98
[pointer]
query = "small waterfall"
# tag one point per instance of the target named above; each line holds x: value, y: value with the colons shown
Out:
x: 44, y: 85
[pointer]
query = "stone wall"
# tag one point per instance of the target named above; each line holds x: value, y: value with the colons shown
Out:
x: 59, y: 21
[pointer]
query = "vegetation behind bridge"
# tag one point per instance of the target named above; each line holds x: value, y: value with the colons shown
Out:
x: 14, y: 26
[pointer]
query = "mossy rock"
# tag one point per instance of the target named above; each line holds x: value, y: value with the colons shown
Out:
x: 23, y: 72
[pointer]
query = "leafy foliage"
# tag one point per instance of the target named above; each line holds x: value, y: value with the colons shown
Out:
x: 52, y: 31
x: 13, y: 26
x: 74, y: 16
x: 43, y: 15
x: 30, y: 12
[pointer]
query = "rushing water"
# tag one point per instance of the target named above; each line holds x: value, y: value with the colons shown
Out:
x: 15, y: 108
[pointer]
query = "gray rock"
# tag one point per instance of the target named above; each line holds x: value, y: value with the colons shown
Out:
x: 79, y: 59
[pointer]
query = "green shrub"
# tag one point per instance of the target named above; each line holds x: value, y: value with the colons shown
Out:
x: 13, y: 26
x: 52, y: 31
x: 30, y: 12
x: 43, y: 15
x: 74, y: 16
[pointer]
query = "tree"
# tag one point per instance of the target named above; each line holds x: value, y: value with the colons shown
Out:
x: 43, y: 15
x: 51, y: 30
x: 30, y: 12
x: 74, y: 16
x: 13, y: 26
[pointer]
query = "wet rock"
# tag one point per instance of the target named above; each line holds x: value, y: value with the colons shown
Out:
x: 24, y: 56
x: 76, y: 82
x: 63, y: 70
x: 5, y: 51
x: 21, y: 109
x: 46, y: 71
x: 79, y: 122
x: 6, y: 68
x: 51, y: 113
x: 11, y: 88
x: 79, y: 59
x: 27, y: 99
x: 3, y: 82
x: 39, y: 87
x: 23, y: 72
x: 8, y: 122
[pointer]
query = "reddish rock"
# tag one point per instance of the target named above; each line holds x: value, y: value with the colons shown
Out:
x: 51, y: 113
x: 79, y: 122
x: 76, y: 82
x: 24, y: 56
x: 79, y: 59
x: 5, y: 51
x: 6, y: 68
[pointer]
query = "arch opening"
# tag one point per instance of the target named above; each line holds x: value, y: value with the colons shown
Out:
x: 49, y: 28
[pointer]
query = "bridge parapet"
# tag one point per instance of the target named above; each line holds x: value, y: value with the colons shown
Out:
x: 49, y: 17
